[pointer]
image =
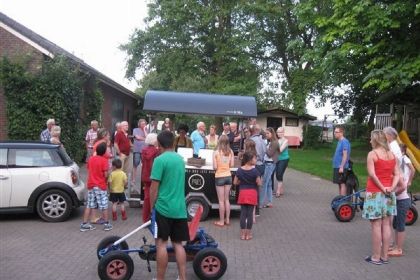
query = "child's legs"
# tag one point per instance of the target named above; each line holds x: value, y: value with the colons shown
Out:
x: 91, y: 203
x: 220, y: 196
x: 227, y: 202
x: 242, y: 219
x: 146, y: 203
x: 102, y: 198
x: 249, y: 214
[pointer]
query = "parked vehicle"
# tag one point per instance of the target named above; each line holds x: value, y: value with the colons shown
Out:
x: 39, y: 177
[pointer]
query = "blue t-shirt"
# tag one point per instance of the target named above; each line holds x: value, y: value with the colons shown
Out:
x: 342, y: 145
x: 198, y: 141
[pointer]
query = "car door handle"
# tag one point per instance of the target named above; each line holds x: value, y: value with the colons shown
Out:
x: 2, y: 177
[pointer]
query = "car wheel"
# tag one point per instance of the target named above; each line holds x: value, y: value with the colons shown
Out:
x: 54, y: 206
x: 107, y: 242
x: 193, y: 202
x: 210, y: 264
x: 116, y: 265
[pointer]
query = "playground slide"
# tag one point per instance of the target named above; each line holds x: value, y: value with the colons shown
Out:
x: 412, y: 152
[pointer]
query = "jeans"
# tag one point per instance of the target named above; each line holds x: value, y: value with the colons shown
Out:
x: 266, y: 191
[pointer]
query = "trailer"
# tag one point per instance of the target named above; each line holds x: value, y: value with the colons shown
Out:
x: 200, y: 187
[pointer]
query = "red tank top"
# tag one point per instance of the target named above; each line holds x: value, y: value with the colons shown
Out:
x: 384, y: 170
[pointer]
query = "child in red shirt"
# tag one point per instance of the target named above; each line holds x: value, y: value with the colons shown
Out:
x: 97, y: 188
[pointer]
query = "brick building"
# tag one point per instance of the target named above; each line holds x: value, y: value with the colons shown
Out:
x: 18, y: 41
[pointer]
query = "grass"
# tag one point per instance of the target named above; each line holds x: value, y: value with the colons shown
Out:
x: 318, y: 162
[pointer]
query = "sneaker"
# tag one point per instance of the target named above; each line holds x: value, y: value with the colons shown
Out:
x: 86, y: 227
x: 107, y: 226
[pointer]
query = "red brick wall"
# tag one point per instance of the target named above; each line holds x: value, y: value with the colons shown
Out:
x: 16, y: 50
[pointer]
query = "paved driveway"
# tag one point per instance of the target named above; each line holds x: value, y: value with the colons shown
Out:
x: 297, y: 239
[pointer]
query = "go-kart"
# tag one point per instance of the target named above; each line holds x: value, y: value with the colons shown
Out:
x: 345, y: 207
x: 209, y: 262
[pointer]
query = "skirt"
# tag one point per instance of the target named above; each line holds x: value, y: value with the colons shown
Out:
x: 377, y: 205
x: 248, y: 196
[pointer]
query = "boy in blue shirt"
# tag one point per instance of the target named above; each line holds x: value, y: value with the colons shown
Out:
x: 341, y: 159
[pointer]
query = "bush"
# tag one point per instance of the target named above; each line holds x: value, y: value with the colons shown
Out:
x: 311, y: 136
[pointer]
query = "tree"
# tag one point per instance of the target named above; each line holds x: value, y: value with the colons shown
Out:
x: 194, y: 46
x: 386, y: 34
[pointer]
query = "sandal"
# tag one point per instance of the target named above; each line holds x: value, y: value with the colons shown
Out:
x: 249, y: 236
x: 369, y: 260
x: 218, y: 224
x: 227, y: 223
x: 395, y: 253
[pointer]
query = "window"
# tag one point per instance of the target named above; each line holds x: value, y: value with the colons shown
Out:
x: 3, y: 158
x: 292, y: 122
x: 34, y: 158
x: 274, y: 122
x: 117, y: 111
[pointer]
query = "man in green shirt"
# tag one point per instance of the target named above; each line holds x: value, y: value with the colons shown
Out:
x: 167, y: 196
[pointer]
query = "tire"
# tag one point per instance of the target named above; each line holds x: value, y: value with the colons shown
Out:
x: 411, y: 216
x: 108, y: 241
x: 116, y: 266
x: 193, y: 202
x: 334, y: 203
x: 54, y: 206
x: 344, y: 212
x: 210, y: 264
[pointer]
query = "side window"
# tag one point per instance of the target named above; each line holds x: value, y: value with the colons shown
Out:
x: 3, y: 158
x: 34, y: 158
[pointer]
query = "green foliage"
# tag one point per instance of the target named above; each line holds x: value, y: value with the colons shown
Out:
x: 56, y: 91
x: 311, y: 136
x: 194, y: 46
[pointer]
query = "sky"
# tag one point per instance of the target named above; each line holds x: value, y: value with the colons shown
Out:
x: 92, y: 30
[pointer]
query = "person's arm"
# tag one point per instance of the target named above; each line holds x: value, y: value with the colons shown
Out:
x: 153, y: 192
x: 236, y: 181
x: 259, y: 181
x: 371, y: 171
x: 412, y: 173
x: 214, y: 160
x: 396, y: 178
x: 116, y: 140
x: 284, y: 145
x: 232, y: 159
x: 343, y: 161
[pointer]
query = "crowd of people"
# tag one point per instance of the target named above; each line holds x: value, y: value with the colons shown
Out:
x: 390, y: 174
x: 263, y: 155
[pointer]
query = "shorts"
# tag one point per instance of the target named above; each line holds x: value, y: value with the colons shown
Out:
x: 281, y: 168
x: 136, y: 159
x: 97, y: 198
x: 339, y: 178
x: 117, y: 197
x: 377, y: 205
x: 399, y: 221
x: 176, y: 229
x: 223, y: 181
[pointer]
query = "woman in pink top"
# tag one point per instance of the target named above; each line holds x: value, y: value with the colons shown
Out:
x: 380, y: 202
x: 223, y: 159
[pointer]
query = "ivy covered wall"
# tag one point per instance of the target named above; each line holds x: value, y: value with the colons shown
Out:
x: 59, y: 91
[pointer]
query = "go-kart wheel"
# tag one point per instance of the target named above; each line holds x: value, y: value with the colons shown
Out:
x: 193, y: 202
x: 344, y: 212
x: 210, y: 264
x: 334, y: 201
x: 108, y: 241
x: 115, y: 265
x: 411, y: 216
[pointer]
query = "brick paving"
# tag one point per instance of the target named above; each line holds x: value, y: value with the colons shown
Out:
x: 297, y: 239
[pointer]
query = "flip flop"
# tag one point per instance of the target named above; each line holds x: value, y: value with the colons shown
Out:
x: 218, y: 225
x: 395, y: 253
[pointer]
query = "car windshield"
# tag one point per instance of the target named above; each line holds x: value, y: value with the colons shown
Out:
x: 65, y: 157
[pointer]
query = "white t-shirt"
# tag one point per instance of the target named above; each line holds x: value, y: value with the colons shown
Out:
x: 405, y: 169
x: 395, y: 149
